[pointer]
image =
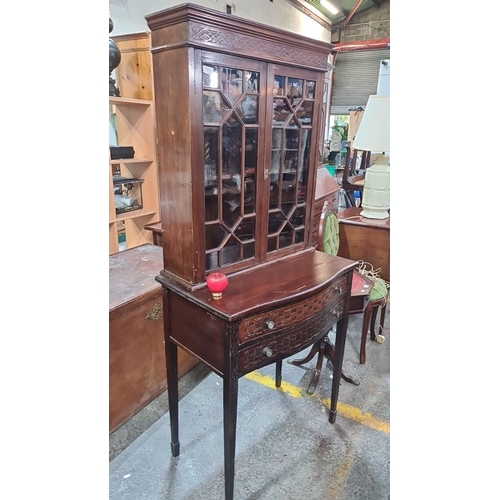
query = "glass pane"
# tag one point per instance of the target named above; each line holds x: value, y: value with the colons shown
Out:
x: 251, y: 137
x: 292, y: 138
x: 232, y: 83
x: 275, y: 164
x: 246, y: 229
x: 272, y: 244
x: 311, y: 88
x: 214, y: 107
x: 231, y: 252
x: 290, y: 162
x: 231, y: 147
x: 286, y: 236
x: 305, y: 151
x: 249, y: 195
x: 231, y: 200
x: 210, y: 177
x: 277, y: 138
x: 214, y: 235
x: 248, y: 109
x: 288, y: 189
x: 281, y: 111
x: 210, y: 76
x: 294, y: 88
x: 305, y: 113
x: 275, y: 221
x: 279, y: 85
x: 274, y: 192
x: 297, y: 219
x: 252, y: 81
x: 249, y: 250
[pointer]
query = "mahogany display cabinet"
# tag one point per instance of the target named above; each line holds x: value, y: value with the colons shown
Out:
x: 239, y: 118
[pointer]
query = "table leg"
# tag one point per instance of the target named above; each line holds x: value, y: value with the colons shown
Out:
x: 173, y: 395
x: 279, y: 366
x: 340, y: 337
x: 230, y: 412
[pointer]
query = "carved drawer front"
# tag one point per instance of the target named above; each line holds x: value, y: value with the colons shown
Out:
x: 291, y: 342
x: 291, y: 314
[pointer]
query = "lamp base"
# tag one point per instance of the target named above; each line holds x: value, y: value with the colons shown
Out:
x: 374, y: 214
x: 376, y: 191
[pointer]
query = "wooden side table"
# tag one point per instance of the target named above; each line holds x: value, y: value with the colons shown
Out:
x: 365, y: 239
x: 264, y: 316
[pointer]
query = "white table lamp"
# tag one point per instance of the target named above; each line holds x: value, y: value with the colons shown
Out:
x: 374, y: 135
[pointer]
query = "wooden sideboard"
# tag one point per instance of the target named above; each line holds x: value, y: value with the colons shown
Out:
x: 365, y: 239
x: 137, y: 365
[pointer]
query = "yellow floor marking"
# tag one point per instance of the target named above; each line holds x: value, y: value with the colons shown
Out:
x: 350, y: 412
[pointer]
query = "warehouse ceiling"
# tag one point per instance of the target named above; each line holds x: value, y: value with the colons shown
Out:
x: 346, y: 8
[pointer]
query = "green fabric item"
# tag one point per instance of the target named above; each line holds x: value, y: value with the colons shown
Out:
x: 331, y: 234
x: 379, y: 290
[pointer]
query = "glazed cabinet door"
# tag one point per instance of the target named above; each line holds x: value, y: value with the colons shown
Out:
x: 233, y: 110
x: 291, y: 157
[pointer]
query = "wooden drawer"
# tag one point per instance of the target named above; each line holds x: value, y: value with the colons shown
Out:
x: 284, y: 343
x: 291, y: 314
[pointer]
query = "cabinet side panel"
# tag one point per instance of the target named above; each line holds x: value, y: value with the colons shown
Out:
x: 171, y: 70
x: 137, y: 372
x: 197, y: 330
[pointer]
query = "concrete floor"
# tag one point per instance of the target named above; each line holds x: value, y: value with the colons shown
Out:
x: 285, y: 446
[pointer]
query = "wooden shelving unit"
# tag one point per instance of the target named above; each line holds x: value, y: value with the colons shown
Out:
x: 135, y: 126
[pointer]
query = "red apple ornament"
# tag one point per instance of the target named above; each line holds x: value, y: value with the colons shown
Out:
x: 217, y: 283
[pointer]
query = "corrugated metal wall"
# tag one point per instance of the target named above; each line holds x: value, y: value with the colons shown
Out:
x: 355, y: 78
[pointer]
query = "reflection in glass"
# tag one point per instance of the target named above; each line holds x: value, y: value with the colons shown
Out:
x: 281, y: 110
x: 305, y: 113
x: 294, y: 88
x: 247, y: 109
x: 232, y: 83
x: 292, y: 138
x: 214, y: 107
x: 214, y: 234
x: 252, y: 79
x: 251, y: 135
x: 246, y: 229
x: 279, y: 85
x: 276, y: 220
x: 231, y: 146
x: 311, y: 88
x: 210, y: 76
x: 277, y: 138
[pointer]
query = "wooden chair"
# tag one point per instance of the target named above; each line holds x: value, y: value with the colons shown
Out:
x: 367, y: 296
x: 351, y: 180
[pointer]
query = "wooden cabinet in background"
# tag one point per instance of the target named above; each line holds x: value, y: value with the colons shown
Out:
x: 135, y: 123
x: 135, y: 126
x: 137, y: 365
x: 134, y: 75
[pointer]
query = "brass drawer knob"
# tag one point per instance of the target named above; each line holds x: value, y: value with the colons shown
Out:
x: 267, y: 351
x: 270, y: 324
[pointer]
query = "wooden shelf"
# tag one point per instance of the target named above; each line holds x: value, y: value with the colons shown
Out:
x: 135, y: 127
x: 124, y: 101
x: 135, y: 214
x: 131, y: 160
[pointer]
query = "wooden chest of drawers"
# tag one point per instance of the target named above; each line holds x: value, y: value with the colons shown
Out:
x: 137, y: 365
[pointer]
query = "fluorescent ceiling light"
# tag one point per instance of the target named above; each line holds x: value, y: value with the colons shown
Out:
x: 327, y: 5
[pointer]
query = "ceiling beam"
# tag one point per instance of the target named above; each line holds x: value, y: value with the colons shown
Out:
x: 311, y: 14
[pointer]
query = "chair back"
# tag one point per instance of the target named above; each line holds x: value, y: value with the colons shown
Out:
x: 328, y: 231
x: 350, y: 167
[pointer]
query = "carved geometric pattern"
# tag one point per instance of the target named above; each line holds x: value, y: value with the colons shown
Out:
x: 238, y: 41
x: 290, y: 314
x: 289, y: 343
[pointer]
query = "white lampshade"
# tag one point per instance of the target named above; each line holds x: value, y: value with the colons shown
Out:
x: 374, y: 135
x: 374, y: 132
